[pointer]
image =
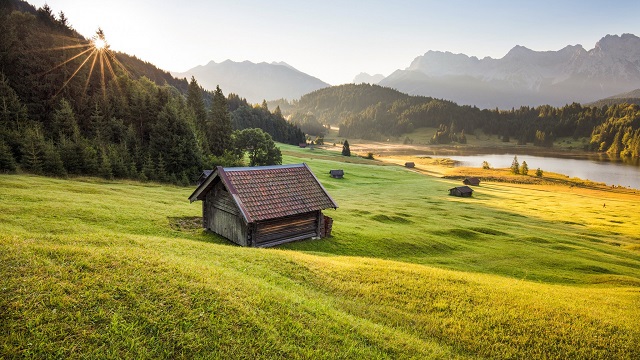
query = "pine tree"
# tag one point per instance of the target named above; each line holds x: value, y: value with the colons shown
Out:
x: 161, y: 171
x: 97, y: 126
x: 105, y: 170
x: 524, y: 168
x: 345, y: 149
x: 277, y: 112
x: 52, y: 162
x: 195, y: 102
x: 219, y: 126
x: 64, y: 124
x: 148, y: 171
x: 32, y: 150
x: 89, y: 157
x: 184, y: 179
x: 7, y: 162
x: 13, y: 114
x: 71, y: 156
x: 515, y: 165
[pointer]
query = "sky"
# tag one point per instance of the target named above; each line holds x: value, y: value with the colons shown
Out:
x: 334, y: 40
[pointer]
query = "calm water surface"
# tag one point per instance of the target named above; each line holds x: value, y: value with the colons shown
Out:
x: 608, y: 171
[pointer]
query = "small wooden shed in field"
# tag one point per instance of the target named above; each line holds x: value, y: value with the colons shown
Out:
x: 462, y: 191
x: 410, y: 164
x: 473, y: 181
x: 336, y: 174
x: 264, y: 205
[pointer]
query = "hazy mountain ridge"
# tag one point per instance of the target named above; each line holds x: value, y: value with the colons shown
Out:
x: 524, y: 76
x: 364, y: 77
x: 255, y: 82
x: 631, y: 97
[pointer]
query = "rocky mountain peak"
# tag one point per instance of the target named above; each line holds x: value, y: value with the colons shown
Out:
x: 525, y: 76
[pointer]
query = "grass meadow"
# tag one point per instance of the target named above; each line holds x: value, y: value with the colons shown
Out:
x: 119, y: 269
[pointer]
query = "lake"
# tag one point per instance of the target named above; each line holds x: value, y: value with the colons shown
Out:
x: 595, y: 168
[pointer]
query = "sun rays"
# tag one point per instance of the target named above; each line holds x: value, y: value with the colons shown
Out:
x: 96, y: 54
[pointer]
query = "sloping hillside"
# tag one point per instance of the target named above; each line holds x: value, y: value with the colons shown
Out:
x: 116, y: 269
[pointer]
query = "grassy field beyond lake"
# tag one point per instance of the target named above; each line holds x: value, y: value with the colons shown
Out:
x: 116, y: 269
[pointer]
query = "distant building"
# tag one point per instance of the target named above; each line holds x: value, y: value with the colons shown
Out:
x: 264, y: 205
x: 473, y: 181
x: 462, y: 191
x: 336, y: 174
x: 410, y: 164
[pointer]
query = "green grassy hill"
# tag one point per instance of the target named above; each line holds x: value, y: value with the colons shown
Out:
x: 101, y: 269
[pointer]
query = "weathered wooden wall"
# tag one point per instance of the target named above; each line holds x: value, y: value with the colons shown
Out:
x: 223, y: 217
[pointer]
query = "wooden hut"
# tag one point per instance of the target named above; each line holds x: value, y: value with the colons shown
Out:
x: 410, y: 164
x: 462, y: 191
x: 336, y: 174
x: 473, y: 181
x: 264, y: 205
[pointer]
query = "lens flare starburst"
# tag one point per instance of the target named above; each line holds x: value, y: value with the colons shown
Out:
x: 94, y: 52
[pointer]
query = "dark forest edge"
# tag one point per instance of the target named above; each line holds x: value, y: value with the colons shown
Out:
x: 139, y: 123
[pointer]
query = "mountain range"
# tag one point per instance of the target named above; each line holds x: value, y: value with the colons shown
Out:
x: 524, y: 76
x: 255, y: 82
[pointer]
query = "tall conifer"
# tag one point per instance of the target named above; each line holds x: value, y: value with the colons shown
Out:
x: 219, y: 125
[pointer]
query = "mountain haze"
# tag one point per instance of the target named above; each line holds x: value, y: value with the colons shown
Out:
x: 630, y: 97
x: 368, y: 79
x: 255, y: 82
x: 524, y: 76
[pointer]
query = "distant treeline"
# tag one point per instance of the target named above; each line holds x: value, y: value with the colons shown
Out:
x: 375, y: 112
x: 116, y: 116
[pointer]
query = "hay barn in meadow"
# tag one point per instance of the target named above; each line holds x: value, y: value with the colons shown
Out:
x: 462, y: 191
x: 336, y: 174
x: 473, y: 181
x: 264, y: 205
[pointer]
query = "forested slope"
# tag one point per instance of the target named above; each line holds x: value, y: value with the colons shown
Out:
x: 375, y: 112
x: 70, y: 105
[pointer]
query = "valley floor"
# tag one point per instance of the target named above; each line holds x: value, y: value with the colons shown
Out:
x: 120, y: 269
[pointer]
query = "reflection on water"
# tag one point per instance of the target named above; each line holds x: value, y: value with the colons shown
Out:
x: 599, y: 168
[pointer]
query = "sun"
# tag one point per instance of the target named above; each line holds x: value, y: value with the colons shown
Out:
x: 99, y: 44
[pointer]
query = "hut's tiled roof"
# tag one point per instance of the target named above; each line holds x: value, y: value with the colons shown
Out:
x: 268, y: 192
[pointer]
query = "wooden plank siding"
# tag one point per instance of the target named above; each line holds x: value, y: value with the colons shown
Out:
x: 224, y: 202
x: 223, y: 216
x: 286, y: 229
x: 229, y: 226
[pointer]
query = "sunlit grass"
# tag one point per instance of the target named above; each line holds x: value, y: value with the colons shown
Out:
x: 113, y: 269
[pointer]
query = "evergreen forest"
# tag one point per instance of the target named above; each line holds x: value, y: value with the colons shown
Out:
x: 70, y: 105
